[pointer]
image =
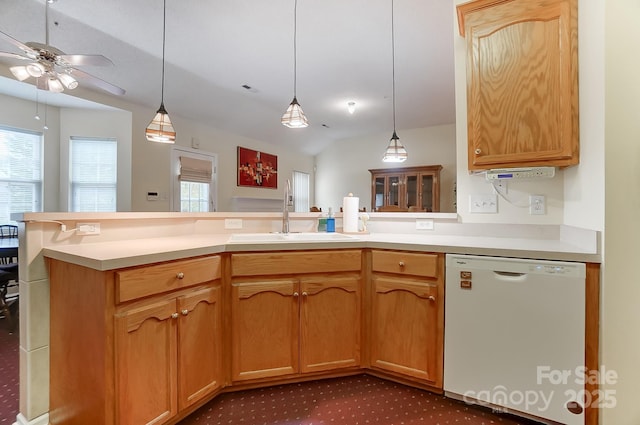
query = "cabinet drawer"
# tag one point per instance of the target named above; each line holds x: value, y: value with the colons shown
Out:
x: 405, y: 263
x: 149, y: 280
x: 295, y: 262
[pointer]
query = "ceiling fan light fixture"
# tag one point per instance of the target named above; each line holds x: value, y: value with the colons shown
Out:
x: 35, y: 69
x: 160, y: 129
x: 20, y: 72
x: 395, y: 151
x: 55, y: 85
x: 68, y: 81
x: 294, y: 116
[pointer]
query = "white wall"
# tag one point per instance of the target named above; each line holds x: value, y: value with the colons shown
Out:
x: 343, y: 166
x: 620, y: 328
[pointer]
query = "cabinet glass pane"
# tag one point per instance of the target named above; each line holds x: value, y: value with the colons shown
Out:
x: 379, y: 192
x: 427, y: 192
x: 412, y: 191
x: 394, y: 190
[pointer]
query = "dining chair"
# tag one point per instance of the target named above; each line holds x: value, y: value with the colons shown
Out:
x: 9, y: 302
x: 8, y: 231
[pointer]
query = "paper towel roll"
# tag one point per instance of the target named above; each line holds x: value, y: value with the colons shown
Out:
x: 350, y: 206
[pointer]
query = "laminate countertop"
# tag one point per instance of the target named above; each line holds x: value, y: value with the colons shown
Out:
x: 111, y: 255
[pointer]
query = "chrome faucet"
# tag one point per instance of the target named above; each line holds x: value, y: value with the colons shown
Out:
x: 288, y: 201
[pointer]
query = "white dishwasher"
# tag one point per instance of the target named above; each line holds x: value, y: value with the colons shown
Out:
x: 515, y: 335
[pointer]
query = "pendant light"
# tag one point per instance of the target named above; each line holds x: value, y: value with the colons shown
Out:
x: 294, y: 116
x: 395, y: 151
x: 160, y: 128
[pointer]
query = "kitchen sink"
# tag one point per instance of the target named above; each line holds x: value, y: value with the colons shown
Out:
x: 289, y: 237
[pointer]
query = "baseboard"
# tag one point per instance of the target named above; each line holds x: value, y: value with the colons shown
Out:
x: 40, y: 420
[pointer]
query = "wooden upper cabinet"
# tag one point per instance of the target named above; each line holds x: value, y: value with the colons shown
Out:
x: 522, y: 82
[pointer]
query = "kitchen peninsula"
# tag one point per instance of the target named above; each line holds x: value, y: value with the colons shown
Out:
x: 166, y: 266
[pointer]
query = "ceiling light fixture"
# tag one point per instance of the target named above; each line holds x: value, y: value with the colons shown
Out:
x: 294, y: 116
x: 160, y: 128
x: 395, y: 151
x: 45, y: 66
x: 351, y: 107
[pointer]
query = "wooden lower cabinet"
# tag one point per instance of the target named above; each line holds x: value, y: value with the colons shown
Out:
x: 407, y: 315
x: 286, y: 325
x: 171, y: 346
x: 134, y: 346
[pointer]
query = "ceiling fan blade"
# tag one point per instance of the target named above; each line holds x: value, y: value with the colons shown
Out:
x: 18, y: 44
x: 81, y: 60
x: 14, y: 56
x: 101, y: 84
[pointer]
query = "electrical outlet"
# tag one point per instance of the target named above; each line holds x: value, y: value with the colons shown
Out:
x: 537, y: 205
x: 424, y: 224
x: 485, y: 203
x: 233, y: 223
x: 88, y: 229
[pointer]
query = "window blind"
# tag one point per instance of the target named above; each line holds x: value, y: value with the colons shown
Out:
x: 300, y: 191
x: 93, y: 174
x: 20, y: 172
x: 195, y: 170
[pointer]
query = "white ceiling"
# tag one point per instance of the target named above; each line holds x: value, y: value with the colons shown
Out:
x: 214, y: 47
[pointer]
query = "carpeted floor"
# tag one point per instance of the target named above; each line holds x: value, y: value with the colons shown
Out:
x: 9, y: 374
x: 354, y: 400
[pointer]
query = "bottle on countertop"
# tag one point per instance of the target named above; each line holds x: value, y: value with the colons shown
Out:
x: 331, y: 222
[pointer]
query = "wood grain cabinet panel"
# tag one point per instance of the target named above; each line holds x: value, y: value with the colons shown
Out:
x: 295, y: 313
x: 407, y: 318
x: 522, y: 82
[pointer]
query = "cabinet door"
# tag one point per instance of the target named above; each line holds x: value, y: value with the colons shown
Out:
x: 407, y: 332
x: 146, y: 356
x: 264, y: 328
x: 200, y: 345
x: 330, y: 323
x: 522, y: 84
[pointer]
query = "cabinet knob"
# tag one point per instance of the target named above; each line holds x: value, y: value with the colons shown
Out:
x: 431, y: 298
x: 185, y: 312
x: 304, y: 294
x: 174, y: 316
x: 401, y: 264
x: 180, y: 275
x: 295, y: 294
x: 478, y: 151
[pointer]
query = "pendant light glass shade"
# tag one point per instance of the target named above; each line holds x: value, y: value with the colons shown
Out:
x: 395, y: 151
x: 160, y: 129
x: 294, y: 116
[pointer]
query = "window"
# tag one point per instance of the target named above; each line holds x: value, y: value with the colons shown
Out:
x: 194, y: 181
x: 20, y: 172
x: 93, y: 174
x: 301, y: 191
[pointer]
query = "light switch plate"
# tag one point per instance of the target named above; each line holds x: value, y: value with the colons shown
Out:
x: 424, y: 224
x: 233, y: 223
x: 483, y: 203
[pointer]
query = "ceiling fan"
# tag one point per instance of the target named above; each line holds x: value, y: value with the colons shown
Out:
x: 52, y: 68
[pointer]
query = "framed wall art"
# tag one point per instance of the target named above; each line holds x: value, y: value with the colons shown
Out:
x: 257, y: 169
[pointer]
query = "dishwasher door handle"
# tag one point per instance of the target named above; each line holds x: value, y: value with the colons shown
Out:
x: 510, y: 276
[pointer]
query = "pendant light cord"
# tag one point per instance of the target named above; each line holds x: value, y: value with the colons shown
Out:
x: 164, y: 29
x: 393, y: 70
x: 295, y: 46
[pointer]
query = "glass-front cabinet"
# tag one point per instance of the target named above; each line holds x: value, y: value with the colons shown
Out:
x: 406, y: 189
